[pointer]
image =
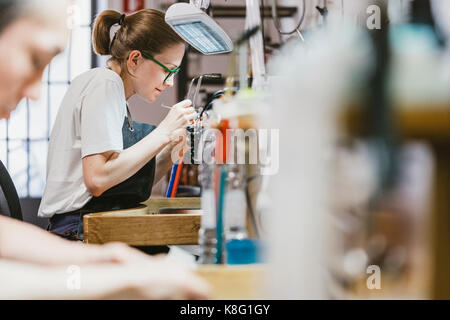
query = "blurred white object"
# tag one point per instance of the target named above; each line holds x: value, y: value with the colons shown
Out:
x: 313, y: 81
x: 441, y: 12
x: 355, y: 176
x: 392, y: 235
x: 183, y: 254
x: 198, y: 29
x: 252, y: 19
x: 417, y: 64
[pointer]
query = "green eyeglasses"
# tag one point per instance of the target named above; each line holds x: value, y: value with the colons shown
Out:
x: 170, y: 71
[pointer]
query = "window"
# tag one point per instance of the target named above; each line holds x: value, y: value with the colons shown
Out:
x: 24, y: 138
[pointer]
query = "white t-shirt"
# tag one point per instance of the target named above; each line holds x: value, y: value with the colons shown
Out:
x: 89, y: 121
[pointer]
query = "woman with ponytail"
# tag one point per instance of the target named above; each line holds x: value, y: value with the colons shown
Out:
x: 87, y: 154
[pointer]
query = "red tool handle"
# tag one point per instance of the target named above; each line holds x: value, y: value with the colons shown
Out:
x: 177, y: 178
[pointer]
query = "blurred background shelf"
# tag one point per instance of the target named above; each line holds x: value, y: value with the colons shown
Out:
x: 413, y: 122
x: 430, y: 123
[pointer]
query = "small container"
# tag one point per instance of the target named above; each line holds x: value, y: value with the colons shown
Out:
x: 243, y: 251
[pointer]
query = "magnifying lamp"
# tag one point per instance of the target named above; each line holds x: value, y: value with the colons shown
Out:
x: 198, y: 29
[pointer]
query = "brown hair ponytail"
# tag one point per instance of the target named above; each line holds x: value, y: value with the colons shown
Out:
x: 144, y: 30
x: 100, y: 34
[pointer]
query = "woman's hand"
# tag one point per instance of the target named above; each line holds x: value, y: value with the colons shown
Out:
x: 148, y: 277
x: 155, y: 278
x: 174, y: 124
x: 163, y: 278
x: 114, y: 252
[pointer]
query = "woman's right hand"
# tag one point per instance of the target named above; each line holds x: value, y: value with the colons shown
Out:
x: 179, y: 117
x: 140, y: 276
x: 163, y: 278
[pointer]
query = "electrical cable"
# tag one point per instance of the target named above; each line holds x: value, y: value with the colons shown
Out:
x: 209, y: 105
x: 216, y: 95
x: 276, y: 20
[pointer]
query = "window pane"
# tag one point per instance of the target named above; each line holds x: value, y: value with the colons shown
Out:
x: 18, y: 122
x: 3, y: 151
x: 81, y: 51
x: 2, y: 129
x: 38, y: 157
x: 38, y: 116
x: 82, y: 12
x: 59, y: 67
x: 57, y: 92
x: 17, y: 166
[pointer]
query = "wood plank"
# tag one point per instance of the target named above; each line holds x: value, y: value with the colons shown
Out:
x: 143, y: 230
x: 235, y: 282
x: 139, y: 227
x: 440, y: 226
x: 413, y: 122
x: 154, y: 204
x: 138, y: 211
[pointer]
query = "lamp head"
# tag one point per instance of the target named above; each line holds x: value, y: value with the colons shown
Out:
x: 198, y: 29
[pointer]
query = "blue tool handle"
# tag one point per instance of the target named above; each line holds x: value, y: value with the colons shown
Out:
x: 172, y: 179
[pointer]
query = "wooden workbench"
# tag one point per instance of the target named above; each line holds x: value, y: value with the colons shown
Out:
x: 143, y: 226
x: 230, y: 282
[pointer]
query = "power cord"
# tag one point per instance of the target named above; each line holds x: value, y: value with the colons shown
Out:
x: 276, y: 20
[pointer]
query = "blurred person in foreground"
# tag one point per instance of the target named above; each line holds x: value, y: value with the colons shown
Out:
x: 33, y: 263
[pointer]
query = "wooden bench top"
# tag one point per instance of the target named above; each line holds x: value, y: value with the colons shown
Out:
x: 144, y: 226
